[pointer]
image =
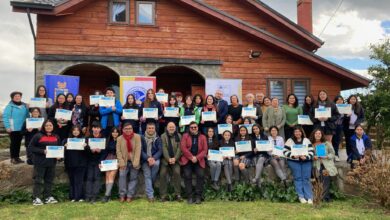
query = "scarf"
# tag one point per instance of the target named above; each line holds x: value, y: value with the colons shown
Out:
x: 149, y: 142
x: 207, y: 107
x: 128, y: 139
x: 170, y: 146
x: 17, y: 103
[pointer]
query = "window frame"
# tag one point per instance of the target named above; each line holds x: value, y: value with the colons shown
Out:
x: 305, y: 80
x: 154, y: 16
x: 284, y: 80
x: 110, y: 7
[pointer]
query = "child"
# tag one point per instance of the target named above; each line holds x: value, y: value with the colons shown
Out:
x: 29, y: 134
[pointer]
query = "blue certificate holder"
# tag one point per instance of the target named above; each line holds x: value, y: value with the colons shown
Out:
x: 321, y: 150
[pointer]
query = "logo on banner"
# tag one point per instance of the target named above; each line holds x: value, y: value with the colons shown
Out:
x: 138, y: 92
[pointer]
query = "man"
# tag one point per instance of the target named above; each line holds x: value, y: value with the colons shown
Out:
x: 222, y: 106
x: 150, y: 158
x: 194, y: 148
x: 170, y: 162
x: 259, y: 98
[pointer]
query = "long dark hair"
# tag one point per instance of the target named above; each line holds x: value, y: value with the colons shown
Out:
x: 127, y: 105
x: 296, y: 100
x: 72, y: 129
x: 57, y: 104
x: 110, y: 138
x: 298, y: 127
x: 326, y: 100
x: 239, y: 135
x: 147, y: 101
x: 169, y: 101
x: 37, y: 91
x: 260, y: 128
x: 44, y: 124
x: 185, y: 102
x: 307, y: 107
x: 357, y: 107
x: 201, y: 100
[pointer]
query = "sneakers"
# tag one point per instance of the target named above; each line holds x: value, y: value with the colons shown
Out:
x: 37, y: 201
x: 51, y: 200
x: 337, y: 159
x: 303, y: 200
x: 215, y: 186
x: 309, y: 201
x: 105, y: 199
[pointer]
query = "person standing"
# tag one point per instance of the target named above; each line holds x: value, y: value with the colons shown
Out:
x: 259, y: 99
x: 131, y: 104
x: 188, y: 108
x: 307, y: 108
x: 151, y: 102
x: 292, y: 110
x: 30, y: 132
x: 274, y: 116
x: 336, y: 140
x: 209, y: 106
x: 110, y: 115
x: 42, y: 93
x: 222, y: 106
x: 250, y: 98
x: 80, y: 113
x: 235, y: 110
x: 62, y: 125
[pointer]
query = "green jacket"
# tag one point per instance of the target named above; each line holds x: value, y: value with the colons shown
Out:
x: 175, y: 145
x: 329, y: 162
x: 197, y: 117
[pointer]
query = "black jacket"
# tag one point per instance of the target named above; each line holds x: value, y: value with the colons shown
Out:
x: 38, y: 146
x: 75, y: 158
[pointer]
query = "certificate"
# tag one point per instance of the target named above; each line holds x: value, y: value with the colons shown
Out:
x: 299, y: 150
x: 108, y: 165
x: 97, y: 143
x: 323, y: 113
x: 187, y: 119
x: 215, y: 155
x: 130, y: 114
x: 37, y: 103
x: 248, y: 127
x: 34, y: 122
x: 54, y: 151
x: 278, y: 151
x: 264, y: 145
x: 248, y: 112
x: 171, y: 112
x: 75, y: 144
x: 243, y: 146
x: 227, y: 151
x: 94, y: 99
x: 209, y: 116
x: 304, y: 120
x: 321, y: 150
x: 344, y: 108
x: 63, y: 114
x: 162, y: 97
x: 107, y: 101
x: 150, y: 113
x: 225, y: 127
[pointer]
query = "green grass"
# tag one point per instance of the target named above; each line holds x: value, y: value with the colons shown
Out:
x: 349, y: 209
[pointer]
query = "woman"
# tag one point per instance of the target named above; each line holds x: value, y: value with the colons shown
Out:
x: 131, y: 104
x: 76, y: 166
x: 352, y: 120
x: 235, y: 110
x: 30, y: 132
x: 70, y: 100
x: 242, y: 160
x: 110, y: 154
x: 277, y: 162
x: 336, y: 140
x: 150, y: 102
x: 266, y: 103
x: 93, y: 112
x: 323, y: 165
x: 80, y: 113
x: 227, y: 141
x: 14, y: 116
x: 215, y: 166
x: 292, y: 111
x: 110, y: 115
x: 209, y: 106
x: 172, y: 103
x: 300, y: 165
x: 229, y: 120
x: 44, y: 168
x: 250, y: 100
x: 62, y: 125
x: 198, y: 102
x: 327, y: 125
x: 42, y: 93
x: 307, y: 108
x: 260, y: 157
x: 361, y: 145
x: 274, y: 116
x: 188, y: 108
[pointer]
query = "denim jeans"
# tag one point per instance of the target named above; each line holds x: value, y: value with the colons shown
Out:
x: 128, y: 189
x: 301, y: 171
x: 150, y: 174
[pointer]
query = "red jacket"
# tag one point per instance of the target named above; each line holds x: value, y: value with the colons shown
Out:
x: 185, y: 146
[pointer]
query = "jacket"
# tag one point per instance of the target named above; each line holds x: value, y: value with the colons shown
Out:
x: 14, y: 116
x: 122, y: 153
x: 75, y: 158
x: 359, y: 120
x: 222, y: 107
x: 195, y: 112
x: 156, y: 149
x: 355, y: 152
x: 272, y: 118
x: 290, y: 142
x: 330, y: 124
x: 175, y: 145
x: 185, y: 146
x: 153, y: 104
x: 105, y: 112
x: 329, y: 162
x: 38, y: 146
x: 259, y: 114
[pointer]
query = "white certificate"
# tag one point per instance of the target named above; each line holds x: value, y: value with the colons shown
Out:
x: 107, y: 101
x: 215, y: 155
x: 278, y: 151
x: 304, y: 120
x: 150, y: 113
x: 108, y: 165
x: 344, y: 108
x: 187, y: 119
x: 37, y: 103
x: 248, y: 112
x: 323, y: 113
x: 94, y: 99
x: 171, y: 112
x: 63, y: 114
x: 299, y: 150
x: 227, y: 151
x: 162, y: 97
x: 54, y: 151
x: 209, y: 116
x: 130, y: 114
x: 243, y: 146
x: 75, y: 144
x: 248, y: 127
x: 97, y: 143
x: 225, y: 127
x: 34, y: 122
x: 264, y: 145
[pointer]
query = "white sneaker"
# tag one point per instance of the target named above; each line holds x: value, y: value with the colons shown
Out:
x: 73, y: 200
x: 337, y: 159
x: 309, y: 201
x: 302, y: 200
x: 51, y: 200
x: 37, y: 201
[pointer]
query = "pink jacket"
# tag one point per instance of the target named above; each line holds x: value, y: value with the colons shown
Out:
x: 185, y: 146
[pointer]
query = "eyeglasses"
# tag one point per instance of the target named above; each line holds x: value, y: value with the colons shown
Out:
x: 194, y: 127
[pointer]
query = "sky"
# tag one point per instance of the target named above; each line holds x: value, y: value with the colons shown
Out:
x: 356, y: 25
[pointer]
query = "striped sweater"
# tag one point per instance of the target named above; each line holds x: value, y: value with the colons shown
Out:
x: 290, y: 142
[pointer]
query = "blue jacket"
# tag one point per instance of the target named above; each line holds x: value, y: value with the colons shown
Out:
x: 222, y: 110
x: 355, y: 153
x: 104, y: 112
x: 156, y: 149
x: 18, y: 114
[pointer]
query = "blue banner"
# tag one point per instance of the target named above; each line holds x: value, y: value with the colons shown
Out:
x: 57, y: 84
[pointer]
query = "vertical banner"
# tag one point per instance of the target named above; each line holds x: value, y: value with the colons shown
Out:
x: 136, y: 85
x: 229, y: 87
x: 57, y: 84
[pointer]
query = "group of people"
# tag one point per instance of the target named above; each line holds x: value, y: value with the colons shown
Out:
x: 165, y: 148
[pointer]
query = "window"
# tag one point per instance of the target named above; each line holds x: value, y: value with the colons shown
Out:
x: 119, y: 11
x: 300, y: 88
x: 146, y: 13
x: 277, y: 88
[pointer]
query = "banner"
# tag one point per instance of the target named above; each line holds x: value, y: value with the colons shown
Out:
x: 136, y: 85
x: 229, y: 87
x: 57, y: 84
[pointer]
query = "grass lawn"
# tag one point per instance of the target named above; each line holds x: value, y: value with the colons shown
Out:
x: 350, y: 209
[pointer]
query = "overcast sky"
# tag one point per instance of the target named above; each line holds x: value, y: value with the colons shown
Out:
x: 357, y: 24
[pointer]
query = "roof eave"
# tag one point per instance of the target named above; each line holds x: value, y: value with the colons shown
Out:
x: 31, y: 5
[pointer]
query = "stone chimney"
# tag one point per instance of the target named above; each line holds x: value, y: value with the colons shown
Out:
x: 305, y: 16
